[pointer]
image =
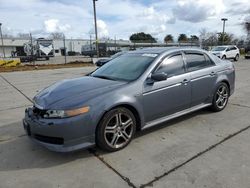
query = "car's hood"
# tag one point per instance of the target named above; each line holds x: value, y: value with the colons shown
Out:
x: 74, y: 92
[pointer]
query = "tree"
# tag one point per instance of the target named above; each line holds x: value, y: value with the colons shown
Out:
x: 56, y: 35
x: 247, y: 27
x: 194, y: 38
x: 182, y: 38
x: 225, y: 38
x: 208, y: 39
x: 203, y: 34
x: 168, y: 38
x: 142, y: 38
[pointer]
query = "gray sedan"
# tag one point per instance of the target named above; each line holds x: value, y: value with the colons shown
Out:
x: 134, y: 91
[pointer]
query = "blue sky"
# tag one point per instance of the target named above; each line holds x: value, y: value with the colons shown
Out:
x: 121, y: 18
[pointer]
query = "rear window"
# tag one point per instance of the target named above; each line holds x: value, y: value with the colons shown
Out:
x: 196, y: 61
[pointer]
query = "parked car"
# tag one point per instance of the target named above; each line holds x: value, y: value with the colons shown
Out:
x: 103, y: 61
x: 132, y: 92
x: 226, y: 52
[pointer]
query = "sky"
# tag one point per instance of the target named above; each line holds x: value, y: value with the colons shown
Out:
x: 121, y: 18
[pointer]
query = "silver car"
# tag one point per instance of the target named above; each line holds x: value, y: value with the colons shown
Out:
x: 134, y: 91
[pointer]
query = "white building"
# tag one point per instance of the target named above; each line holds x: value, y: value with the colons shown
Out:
x: 15, y: 46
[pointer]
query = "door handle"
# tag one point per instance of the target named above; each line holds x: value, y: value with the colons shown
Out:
x: 212, y: 73
x: 185, y: 82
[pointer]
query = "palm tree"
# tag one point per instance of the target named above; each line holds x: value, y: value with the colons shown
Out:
x: 182, y: 38
x: 168, y: 38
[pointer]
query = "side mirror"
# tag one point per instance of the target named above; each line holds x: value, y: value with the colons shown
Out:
x: 159, y: 76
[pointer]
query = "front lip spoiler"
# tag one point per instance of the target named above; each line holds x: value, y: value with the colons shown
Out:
x: 62, y: 148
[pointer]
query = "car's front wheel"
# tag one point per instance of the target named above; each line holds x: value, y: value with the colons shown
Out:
x: 220, y: 98
x: 116, y: 129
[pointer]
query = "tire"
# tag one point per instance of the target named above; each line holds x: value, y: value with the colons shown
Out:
x: 220, y: 98
x: 224, y: 57
x: 111, y: 135
x: 236, y: 57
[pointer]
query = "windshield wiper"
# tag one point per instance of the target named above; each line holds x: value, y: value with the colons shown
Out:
x: 103, y: 77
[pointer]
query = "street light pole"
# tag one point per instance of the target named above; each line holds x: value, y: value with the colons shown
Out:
x: 223, y: 30
x: 96, y: 36
x: 2, y: 39
x: 64, y: 46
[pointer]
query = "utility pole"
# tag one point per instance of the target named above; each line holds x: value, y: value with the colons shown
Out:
x: 223, y: 30
x: 64, y: 46
x: 90, y: 42
x: 115, y: 45
x: 96, y: 36
x: 32, y: 49
x: 2, y: 40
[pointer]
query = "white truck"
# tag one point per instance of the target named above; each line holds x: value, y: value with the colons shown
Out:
x: 40, y: 49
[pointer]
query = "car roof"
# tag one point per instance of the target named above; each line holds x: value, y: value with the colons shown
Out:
x: 161, y: 50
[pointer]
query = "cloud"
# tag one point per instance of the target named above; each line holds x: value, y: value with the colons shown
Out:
x: 238, y: 8
x: 121, y: 18
x: 197, y: 10
x: 152, y: 14
x: 102, y: 29
x: 53, y: 25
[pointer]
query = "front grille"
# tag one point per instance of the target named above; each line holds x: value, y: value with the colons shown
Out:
x: 49, y: 140
x: 38, y: 112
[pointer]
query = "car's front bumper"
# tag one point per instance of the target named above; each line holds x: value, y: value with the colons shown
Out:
x: 61, y: 135
x: 218, y: 55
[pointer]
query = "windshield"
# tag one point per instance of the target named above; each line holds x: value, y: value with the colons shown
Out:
x: 219, y: 48
x: 127, y: 67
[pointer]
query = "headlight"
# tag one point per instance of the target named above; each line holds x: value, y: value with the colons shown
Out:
x: 65, y: 113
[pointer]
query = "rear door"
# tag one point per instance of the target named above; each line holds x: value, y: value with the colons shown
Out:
x: 166, y: 97
x: 234, y: 51
x: 231, y: 52
x: 203, y: 76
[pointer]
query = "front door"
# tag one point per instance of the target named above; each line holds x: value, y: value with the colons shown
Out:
x: 162, y: 98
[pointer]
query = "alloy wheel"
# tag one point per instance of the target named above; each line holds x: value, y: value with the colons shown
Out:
x: 119, y: 130
x: 221, y: 96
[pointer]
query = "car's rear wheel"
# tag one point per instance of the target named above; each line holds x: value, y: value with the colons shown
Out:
x: 116, y: 129
x: 220, y: 98
x: 236, y: 57
x: 224, y: 57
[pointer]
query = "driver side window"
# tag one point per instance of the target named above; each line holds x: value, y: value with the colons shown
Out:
x: 172, y: 66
